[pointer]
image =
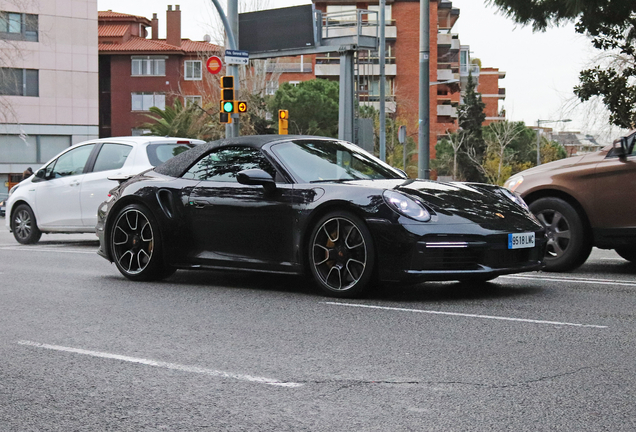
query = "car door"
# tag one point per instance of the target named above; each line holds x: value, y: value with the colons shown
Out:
x: 110, y: 160
x: 57, y: 197
x: 615, y: 192
x: 236, y: 225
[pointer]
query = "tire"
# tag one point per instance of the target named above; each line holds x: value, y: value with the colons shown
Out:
x: 24, y: 226
x: 628, y: 254
x: 341, y: 256
x: 135, y: 244
x: 569, y: 244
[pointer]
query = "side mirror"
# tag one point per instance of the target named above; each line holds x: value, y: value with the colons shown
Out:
x: 256, y: 176
x: 623, y: 146
x: 40, y: 175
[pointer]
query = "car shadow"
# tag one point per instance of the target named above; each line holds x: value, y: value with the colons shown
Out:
x: 301, y: 285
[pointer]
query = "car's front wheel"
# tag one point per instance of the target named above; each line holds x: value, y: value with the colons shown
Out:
x: 136, y: 246
x: 341, y: 255
x: 24, y: 226
x: 568, y: 244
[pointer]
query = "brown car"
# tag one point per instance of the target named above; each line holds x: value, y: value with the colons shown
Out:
x: 584, y: 201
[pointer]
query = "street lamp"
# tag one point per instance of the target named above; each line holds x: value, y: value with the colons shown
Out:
x: 539, y: 122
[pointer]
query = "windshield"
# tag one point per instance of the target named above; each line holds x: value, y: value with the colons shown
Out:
x: 159, y: 153
x: 322, y: 161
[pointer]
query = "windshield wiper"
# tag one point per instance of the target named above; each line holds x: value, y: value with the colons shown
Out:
x: 333, y: 180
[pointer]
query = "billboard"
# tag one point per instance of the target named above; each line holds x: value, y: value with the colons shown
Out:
x: 277, y: 29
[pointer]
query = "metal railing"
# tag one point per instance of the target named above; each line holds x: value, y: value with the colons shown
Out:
x: 349, y: 22
x: 289, y: 67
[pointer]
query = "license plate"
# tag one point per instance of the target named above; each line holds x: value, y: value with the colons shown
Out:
x: 520, y: 240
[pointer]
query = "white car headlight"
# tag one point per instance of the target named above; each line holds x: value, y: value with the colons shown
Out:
x: 406, y: 206
x: 513, y: 182
x: 13, y: 189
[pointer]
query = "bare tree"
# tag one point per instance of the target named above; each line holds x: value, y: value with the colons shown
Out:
x: 499, y: 136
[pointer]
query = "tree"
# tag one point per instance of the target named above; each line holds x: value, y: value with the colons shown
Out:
x: 189, y: 121
x: 312, y: 105
x: 499, y: 137
x: 447, y: 153
x: 612, y: 26
x: 471, y: 117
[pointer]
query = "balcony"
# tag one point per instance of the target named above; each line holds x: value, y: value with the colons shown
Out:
x: 446, y: 111
x: 465, y: 69
x: 448, y: 40
x: 333, y: 69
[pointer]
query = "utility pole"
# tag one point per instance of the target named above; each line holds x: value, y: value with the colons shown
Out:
x: 423, y: 170
x: 382, y: 50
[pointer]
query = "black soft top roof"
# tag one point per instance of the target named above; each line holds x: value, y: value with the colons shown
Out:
x: 176, y: 166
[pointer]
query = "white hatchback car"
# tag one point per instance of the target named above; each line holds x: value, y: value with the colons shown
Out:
x: 63, y: 196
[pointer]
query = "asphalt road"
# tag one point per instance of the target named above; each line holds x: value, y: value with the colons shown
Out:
x: 84, y: 349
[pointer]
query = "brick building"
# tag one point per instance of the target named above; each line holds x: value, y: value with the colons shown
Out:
x: 450, y: 65
x: 136, y: 72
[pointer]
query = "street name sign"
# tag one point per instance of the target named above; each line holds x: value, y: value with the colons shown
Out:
x: 236, y: 57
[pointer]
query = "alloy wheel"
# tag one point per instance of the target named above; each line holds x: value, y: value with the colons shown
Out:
x: 557, y: 230
x: 339, y: 254
x: 22, y: 224
x: 132, y: 241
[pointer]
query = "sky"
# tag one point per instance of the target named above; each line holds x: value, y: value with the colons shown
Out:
x: 541, y: 68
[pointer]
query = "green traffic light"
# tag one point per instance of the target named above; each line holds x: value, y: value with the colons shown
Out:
x: 228, y: 107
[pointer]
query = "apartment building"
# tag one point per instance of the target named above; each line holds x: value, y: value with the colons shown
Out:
x: 137, y: 70
x: 48, y: 81
x: 450, y: 66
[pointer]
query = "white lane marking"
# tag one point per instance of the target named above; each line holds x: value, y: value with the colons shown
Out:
x: 42, y: 249
x: 174, y: 366
x: 466, y: 315
x: 573, y: 280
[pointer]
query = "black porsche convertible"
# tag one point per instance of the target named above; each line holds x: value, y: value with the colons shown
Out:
x: 315, y: 206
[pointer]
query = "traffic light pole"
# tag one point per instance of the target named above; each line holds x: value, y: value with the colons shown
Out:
x: 232, y: 12
x: 231, y: 30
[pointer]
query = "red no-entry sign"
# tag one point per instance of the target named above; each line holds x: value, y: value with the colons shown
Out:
x: 214, y: 65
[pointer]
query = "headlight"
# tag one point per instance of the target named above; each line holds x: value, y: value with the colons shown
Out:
x: 515, y: 197
x: 513, y: 182
x: 13, y: 189
x: 406, y: 206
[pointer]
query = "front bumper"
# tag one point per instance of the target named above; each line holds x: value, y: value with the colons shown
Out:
x: 452, y: 254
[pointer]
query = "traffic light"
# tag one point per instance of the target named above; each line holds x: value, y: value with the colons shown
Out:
x: 283, y: 121
x: 224, y: 116
x: 227, y: 88
x: 228, y: 105
x: 241, y: 106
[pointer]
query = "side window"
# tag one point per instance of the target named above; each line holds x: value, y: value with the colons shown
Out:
x: 224, y: 164
x: 111, y: 157
x: 71, y: 162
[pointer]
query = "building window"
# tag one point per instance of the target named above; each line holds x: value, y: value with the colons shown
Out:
x: 192, y: 70
x: 144, y: 101
x: 140, y: 132
x: 271, y: 87
x: 342, y: 13
x: 387, y: 13
x: 31, y: 148
x: 19, y: 82
x: 18, y: 26
x: 193, y: 100
x: 148, y: 66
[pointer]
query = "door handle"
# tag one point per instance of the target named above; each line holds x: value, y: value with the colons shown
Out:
x: 75, y: 183
x: 199, y: 204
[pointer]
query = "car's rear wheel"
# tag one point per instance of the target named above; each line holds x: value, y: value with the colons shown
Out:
x: 24, y: 226
x: 341, y: 255
x: 136, y: 245
x: 568, y: 243
x: 627, y: 253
